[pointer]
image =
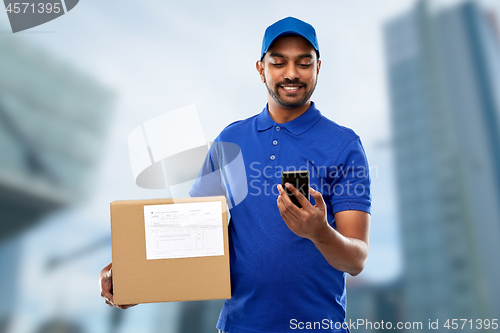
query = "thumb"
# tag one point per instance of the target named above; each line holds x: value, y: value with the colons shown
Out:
x: 320, y: 203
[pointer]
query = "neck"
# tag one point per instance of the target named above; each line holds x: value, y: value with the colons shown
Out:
x: 282, y: 114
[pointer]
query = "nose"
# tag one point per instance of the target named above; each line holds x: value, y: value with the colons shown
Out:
x: 291, y: 72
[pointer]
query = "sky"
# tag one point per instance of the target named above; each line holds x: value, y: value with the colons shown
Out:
x: 157, y: 56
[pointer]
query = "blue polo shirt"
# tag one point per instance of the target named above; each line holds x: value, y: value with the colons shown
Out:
x: 281, y: 282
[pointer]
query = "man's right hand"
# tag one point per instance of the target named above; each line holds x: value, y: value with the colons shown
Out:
x: 106, y: 284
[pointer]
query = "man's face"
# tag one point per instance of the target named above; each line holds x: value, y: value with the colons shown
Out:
x: 290, y: 70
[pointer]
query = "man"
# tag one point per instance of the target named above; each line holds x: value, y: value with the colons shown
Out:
x: 288, y: 264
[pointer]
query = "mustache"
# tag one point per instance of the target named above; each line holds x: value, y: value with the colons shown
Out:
x: 293, y: 82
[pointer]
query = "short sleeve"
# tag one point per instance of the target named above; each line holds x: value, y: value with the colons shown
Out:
x: 350, y: 188
x: 209, y: 181
x: 222, y: 173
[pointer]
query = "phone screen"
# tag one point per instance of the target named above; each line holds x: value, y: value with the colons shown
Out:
x: 299, y: 179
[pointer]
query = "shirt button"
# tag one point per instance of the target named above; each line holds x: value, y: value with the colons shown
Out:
x: 278, y: 128
x: 272, y: 157
x: 275, y: 142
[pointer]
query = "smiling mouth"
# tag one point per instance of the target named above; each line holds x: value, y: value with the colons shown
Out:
x: 291, y: 89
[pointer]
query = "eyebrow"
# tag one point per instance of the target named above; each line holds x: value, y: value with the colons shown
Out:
x: 279, y: 55
x: 276, y: 55
x: 305, y: 56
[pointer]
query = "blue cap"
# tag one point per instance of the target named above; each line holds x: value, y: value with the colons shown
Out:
x: 289, y: 26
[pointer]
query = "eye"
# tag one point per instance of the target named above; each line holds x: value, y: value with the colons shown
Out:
x: 281, y: 64
x: 305, y: 65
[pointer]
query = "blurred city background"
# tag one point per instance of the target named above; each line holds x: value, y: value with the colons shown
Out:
x: 419, y: 81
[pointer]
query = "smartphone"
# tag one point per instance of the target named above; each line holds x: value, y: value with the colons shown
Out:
x: 299, y: 179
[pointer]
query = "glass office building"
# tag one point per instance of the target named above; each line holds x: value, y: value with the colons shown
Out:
x: 52, y: 124
x: 444, y: 81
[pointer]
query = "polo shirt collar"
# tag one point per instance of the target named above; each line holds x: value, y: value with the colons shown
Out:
x: 297, y: 126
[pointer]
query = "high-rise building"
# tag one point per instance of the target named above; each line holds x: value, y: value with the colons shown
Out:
x: 52, y: 122
x: 53, y: 119
x: 444, y: 81
x: 373, y: 307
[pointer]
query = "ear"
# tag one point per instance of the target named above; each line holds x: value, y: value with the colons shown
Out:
x: 259, y: 65
x: 319, y: 66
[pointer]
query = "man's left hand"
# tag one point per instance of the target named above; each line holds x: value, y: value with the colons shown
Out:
x: 309, y: 221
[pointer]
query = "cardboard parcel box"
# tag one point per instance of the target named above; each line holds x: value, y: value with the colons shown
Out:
x: 167, y: 250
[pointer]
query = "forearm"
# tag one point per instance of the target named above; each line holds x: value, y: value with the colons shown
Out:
x: 345, y: 254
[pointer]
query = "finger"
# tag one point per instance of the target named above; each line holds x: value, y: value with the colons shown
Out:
x: 108, y: 302
x: 300, y: 197
x: 123, y: 307
x: 287, y: 202
x: 106, y: 286
x: 320, y: 202
x: 105, y: 278
x: 283, y: 211
x: 106, y: 270
x: 106, y: 294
